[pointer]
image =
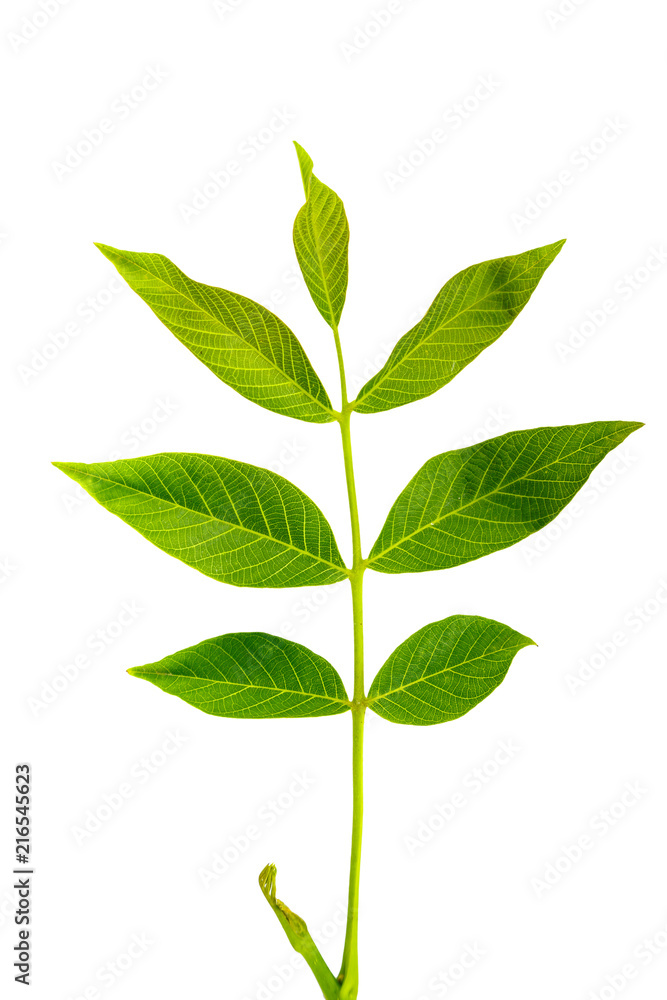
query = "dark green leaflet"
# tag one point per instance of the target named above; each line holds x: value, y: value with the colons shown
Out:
x: 467, y: 503
x: 241, y: 341
x: 444, y: 670
x: 467, y: 314
x: 250, y: 675
x: 232, y: 521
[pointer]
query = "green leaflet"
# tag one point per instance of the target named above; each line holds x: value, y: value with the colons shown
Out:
x: 444, y: 670
x: 243, y: 343
x: 464, y: 504
x: 467, y: 314
x: 235, y: 522
x: 321, y: 238
x: 250, y: 675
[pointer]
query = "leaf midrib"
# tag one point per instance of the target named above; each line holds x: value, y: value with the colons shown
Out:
x: 483, y: 496
x: 230, y: 332
x: 288, y: 545
x: 148, y: 674
x: 437, y: 330
x: 438, y: 673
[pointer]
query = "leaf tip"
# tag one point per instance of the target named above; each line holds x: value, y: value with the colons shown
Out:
x: 141, y: 673
x: 78, y: 471
x: 66, y: 467
x: 628, y: 427
x: 305, y: 165
x: 111, y: 253
x: 555, y: 248
x: 524, y: 642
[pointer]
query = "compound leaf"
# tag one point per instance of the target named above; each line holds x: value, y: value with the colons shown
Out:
x: 467, y: 314
x: 321, y: 239
x: 235, y: 522
x: 250, y: 675
x: 444, y: 670
x: 242, y: 342
x: 464, y: 504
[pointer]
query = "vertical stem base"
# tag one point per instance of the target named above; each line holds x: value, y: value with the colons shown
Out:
x: 349, y: 973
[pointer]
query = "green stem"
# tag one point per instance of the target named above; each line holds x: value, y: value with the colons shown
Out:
x: 349, y: 973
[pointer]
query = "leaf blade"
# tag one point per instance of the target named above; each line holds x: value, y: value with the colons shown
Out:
x: 464, y: 504
x: 250, y: 675
x: 468, y: 314
x: 246, y: 345
x: 444, y: 670
x: 232, y: 521
x: 321, y: 239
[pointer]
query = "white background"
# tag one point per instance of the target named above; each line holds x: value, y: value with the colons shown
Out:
x: 68, y: 566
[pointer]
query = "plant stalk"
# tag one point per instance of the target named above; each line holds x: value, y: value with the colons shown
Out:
x: 349, y: 973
